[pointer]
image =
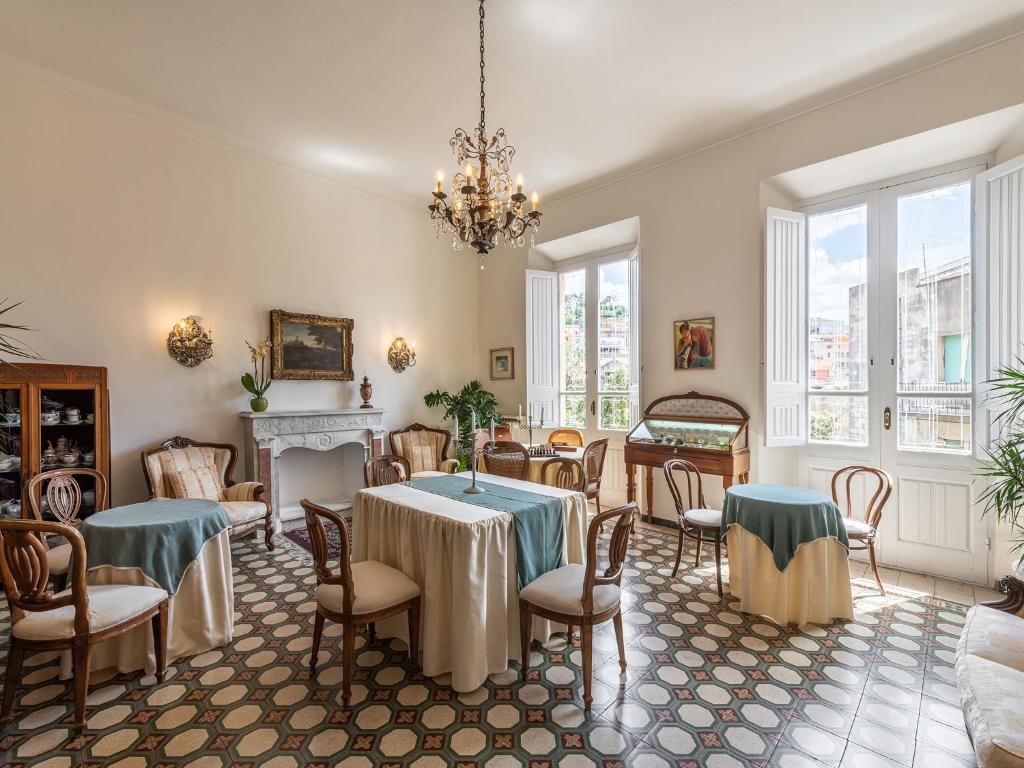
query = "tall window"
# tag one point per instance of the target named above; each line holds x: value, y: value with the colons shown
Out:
x: 598, y: 357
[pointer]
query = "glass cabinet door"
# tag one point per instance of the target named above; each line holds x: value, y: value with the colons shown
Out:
x: 67, y: 438
x: 12, y: 472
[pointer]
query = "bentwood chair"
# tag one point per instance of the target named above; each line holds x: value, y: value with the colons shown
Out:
x: 359, y: 594
x: 386, y: 470
x: 864, y: 530
x: 563, y: 472
x: 63, y: 494
x: 566, y: 436
x: 506, y: 458
x: 582, y: 595
x: 73, y: 620
x: 593, y: 462
x: 695, y: 519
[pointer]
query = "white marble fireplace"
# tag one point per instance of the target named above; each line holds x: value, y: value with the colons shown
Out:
x: 269, y: 434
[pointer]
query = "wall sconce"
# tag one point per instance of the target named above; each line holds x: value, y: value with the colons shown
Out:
x: 189, y: 343
x: 401, y: 355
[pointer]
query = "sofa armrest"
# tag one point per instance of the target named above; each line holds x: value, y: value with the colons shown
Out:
x: 451, y: 466
x: 250, y: 491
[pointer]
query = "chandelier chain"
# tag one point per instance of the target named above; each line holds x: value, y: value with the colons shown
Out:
x: 483, y: 120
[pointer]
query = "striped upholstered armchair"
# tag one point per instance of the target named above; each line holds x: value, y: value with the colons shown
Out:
x: 425, y: 448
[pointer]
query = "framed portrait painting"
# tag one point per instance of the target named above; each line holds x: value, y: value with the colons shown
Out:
x: 310, y: 346
x: 694, y: 343
x: 503, y: 364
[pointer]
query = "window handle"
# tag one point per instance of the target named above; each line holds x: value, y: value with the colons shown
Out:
x: 887, y: 418
x: 593, y: 407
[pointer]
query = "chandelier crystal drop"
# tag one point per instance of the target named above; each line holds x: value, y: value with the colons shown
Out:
x: 482, y: 206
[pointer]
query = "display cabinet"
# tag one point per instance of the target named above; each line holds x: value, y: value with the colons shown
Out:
x: 51, y: 416
x: 711, y: 432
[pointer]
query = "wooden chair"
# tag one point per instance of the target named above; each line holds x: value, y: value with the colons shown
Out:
x: 386, y: 470
x: 64, y: 500
x: 567, y: 436
x: 593, y: 462
x: 866, y: 529
x: 75, y: 619
x: 358, y: 594
x: 582, y: 595
x: 563, y: 472
x: 506, y: 458
x: 425, y: 448
x: 695, y: 519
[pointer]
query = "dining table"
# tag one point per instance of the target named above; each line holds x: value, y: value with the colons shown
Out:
x: 470, y: 554
x: 180, y: 545
x: 788, y: 553
x: 533, y: 472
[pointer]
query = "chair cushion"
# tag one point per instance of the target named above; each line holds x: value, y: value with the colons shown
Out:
x: 377, y: 586
x: 241, y: 512
x: 561, y: 591
x: 857, y: 529
x: 109, y: 605
x: 990, y: 676
x: 704, y: 518
x: 59, y: 559
x: 199, y: 482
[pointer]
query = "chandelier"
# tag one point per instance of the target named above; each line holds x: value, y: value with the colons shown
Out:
x: 482, y: 207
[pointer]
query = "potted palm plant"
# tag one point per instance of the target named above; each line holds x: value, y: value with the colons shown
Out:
x: 462, y: 405
x: 8, y: 344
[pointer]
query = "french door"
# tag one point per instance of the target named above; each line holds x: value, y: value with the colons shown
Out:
x: 890, y: 375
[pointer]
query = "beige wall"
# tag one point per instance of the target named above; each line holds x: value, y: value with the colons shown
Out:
x: 113, y: 227
x: 701, y: 225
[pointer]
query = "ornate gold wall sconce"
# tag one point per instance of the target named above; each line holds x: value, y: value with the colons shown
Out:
x: 189, y: 342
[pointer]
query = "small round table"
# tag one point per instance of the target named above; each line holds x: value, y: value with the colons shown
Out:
x: 181, y: 545
x: 788, y: 553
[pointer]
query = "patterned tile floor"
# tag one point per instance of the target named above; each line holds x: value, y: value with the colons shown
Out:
x: 706, y: 686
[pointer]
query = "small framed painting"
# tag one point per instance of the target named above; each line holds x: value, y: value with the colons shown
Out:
x: 694, y: 343
x: 310, y: 346
x: 503, y: 363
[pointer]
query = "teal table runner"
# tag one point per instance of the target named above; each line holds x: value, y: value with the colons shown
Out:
x: 161, y: 537
x: 540, y: 531
x: 783, y: 517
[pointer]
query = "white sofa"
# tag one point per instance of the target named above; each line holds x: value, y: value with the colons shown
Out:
x: 990, y: 676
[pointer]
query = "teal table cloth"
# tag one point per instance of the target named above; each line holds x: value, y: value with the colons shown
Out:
x: 539, y: 524
x: 161, y: 537
x: 783, y: 517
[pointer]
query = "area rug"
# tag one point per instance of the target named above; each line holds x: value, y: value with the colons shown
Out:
x: 706, y: 686
x: 300, y: 536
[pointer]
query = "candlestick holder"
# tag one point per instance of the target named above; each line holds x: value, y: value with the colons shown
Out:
x: 529, y: 428
x: 473, y: 487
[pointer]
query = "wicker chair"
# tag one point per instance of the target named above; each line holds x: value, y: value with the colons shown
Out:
x: 385, y: 470
x: 505, y: 458
x: 593, y: 462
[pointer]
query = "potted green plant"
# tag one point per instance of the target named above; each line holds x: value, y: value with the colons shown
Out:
x: 257, y: 382
x: 1004, y: 495
x: 8, y: 344
x: 471, y: 399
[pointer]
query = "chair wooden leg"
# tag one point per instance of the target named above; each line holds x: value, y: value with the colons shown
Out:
x: 874, y: 567
x: 348, y: 648
x: 414, y: 633
x: 318, y: 631
x: 587, y: 638
x: 15, y: 655
x: 718, y: 565
x: 617, y: 621
x: 525, y: 630
x: 597, y: 501
x: 700, y: 540
x: 268, y: 533
x: 679, y: 551
x: 568, y: 634
x: 60, y: 582
x: 372, y: 632
x: 81, y: 658
x: 159, y: 622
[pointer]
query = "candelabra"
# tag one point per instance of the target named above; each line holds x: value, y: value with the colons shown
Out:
x: 473, y: 487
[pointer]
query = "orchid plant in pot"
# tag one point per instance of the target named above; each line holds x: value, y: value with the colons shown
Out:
x: 257, y: 382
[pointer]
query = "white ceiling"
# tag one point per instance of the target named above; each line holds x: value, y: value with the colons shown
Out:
x: 368, y: 93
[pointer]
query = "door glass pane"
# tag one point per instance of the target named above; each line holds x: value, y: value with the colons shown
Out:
x: 613, y: 328
x: 573, y: 347
x: 934, y: 290
x: 938, y: 424
x: 837, y: 301
x: 838, y: 419
x: 574, y: 411
x: 614, y: 410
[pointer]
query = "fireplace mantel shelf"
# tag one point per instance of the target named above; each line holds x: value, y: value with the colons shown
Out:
x: 322, y: 412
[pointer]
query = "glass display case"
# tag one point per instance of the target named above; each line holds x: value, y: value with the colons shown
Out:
x: 692, y: 434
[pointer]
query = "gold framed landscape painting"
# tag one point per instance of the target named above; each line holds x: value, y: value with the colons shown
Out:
x: 503, y: 365
x: 694, y: 343
x: 311, y: 346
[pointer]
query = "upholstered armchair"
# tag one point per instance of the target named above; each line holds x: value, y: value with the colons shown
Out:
x: 182, y: 468
x: 425, y: 448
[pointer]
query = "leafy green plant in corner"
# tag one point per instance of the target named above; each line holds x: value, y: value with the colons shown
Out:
x: 472, y: 398
x: 8, y: 344
x: 1004, y: 496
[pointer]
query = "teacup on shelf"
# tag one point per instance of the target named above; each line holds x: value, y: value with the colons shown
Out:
x: 89, y: 418
x: 50, y: 417
x: 69, y: 459
x: 89, y: 457
x: 12, y: 418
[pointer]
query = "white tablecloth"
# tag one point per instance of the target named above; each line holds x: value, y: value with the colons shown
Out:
x: 463, y: 557
x: 200, y: 615
x: 814, y: 588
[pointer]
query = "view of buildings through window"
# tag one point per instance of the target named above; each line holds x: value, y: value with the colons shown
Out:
x: 933, y: 322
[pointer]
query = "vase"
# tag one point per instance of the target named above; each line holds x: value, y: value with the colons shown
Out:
x: 258, y: 404
x: 366, y: 392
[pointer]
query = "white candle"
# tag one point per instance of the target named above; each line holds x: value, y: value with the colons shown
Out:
x: 520, y: 411
x: 492, y: 429
x: 542, y: 417
x: 529, y: 411
x: 473, y: 424
x: 456, y: 434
